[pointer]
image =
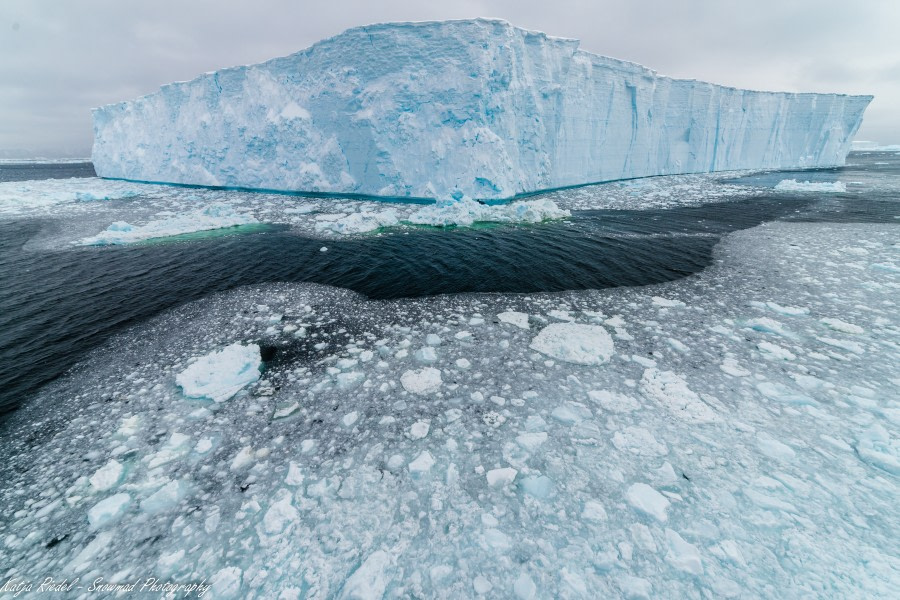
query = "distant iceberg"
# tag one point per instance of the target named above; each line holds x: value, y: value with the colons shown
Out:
x: 477, y: 107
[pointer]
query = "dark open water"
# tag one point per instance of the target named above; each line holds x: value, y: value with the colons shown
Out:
x: 56, y: 305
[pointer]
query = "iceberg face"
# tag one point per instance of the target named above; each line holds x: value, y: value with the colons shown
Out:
x: 475, y: 107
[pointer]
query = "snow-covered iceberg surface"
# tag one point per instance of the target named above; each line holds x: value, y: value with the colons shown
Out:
x: 477, y: 107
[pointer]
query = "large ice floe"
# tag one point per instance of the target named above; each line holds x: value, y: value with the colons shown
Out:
x: 478, y: 107
x: 724, y: 435
x: 215, y: 216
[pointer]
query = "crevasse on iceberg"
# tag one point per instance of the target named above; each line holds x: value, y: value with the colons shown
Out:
x: 475, y: 107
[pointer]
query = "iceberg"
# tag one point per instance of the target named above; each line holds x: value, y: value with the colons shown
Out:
x: 473, y: 107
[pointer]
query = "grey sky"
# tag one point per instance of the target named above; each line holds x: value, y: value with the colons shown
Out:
x: 60, y: 58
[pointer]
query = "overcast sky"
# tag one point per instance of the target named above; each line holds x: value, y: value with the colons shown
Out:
x: 59, y: 58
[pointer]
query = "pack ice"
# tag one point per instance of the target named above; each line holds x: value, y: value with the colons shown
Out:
x: 476, y: 107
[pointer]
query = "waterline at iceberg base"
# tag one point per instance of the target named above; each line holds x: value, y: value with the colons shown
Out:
x: 729, y: 434
x: 476, y: 107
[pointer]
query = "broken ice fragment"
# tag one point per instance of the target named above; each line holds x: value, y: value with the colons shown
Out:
x: 647, y: 500
x: 220, y: 374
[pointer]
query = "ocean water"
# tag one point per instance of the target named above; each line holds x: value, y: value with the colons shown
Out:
x: 750, y: 381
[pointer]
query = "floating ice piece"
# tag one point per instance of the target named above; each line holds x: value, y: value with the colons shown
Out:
x: 108, y: 510
x: 879, y: 449
x: 512, y: 317
x: 165, y: 498
x: 578, y: 344
x: 792, y: 185
x: 524, y: 587
x: 672, y: 391
x: 221, y: 374
x: 419, y: 429
x: 280, y: 515
x: 773, y: 448
x: 647, y: 500
x: 666, y: 302
x: 421, y: 381
x: 531, y: 441
x: 214, y: 216
x: 422, y: 463
x: 614, y: 401
x: 107, y: 476
x: 594, y: 511
x: 775, y: 351
x: 226, y: 583
x: 359, y: 222
x: 682, y: 555
x: 537, y: 486
x: 465, y: 212
x: 501, y: 477
x: 842, y: 326
x: 731, y: 367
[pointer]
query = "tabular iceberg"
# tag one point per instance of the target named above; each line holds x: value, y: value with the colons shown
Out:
x: 476, y: 107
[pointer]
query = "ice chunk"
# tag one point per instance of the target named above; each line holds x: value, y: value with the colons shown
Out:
x: 370, y: 580
x: 165, y: 498
x: 672, y: 391
x: 879, y: 449
x: 221, y: 374
x: 215, y: 216
x: 501, y: 477
x: 647, y: 500
x: 773, y: 448
x: 594, y: 511
x: 421, y: 381
x: 792, y: 185
x: 108, y: 510
x: 842, y: 326
x: 419, y: 430
x: 524, y: 587
x: 107, y: 476
x: 226, y: 582
x: 466, y: 212
x: 578, y: 344
x: 682, y: 555
x: 518, y: 319
x: 280, y: 515
x: 422, y: 463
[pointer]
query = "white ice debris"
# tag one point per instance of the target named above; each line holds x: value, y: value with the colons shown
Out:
x: 792, y: 185
x: 421, y: 381
x: 682, y: 555
x: 648, y: 501
x: 108, y: 510
x: 107, y: 476
x: 214, y: 216
x: 501, y: 477
x: 574, y: 343
x: 465, y: 212
x: 221, y: 374
x: 512, y: 317
x: 422, y: 463
x: 671, y: 391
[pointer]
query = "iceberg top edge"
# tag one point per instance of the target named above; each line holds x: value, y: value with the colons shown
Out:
x: 378, y: 27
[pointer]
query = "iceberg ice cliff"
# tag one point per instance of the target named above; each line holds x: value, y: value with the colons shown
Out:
x: 476, y: 107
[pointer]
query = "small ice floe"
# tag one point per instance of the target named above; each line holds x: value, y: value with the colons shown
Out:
x: 666, y: 302
x: 359, y: 222
x: 573, y: 343
x: 221, y: 374
x: 792, y: 185
x: 879, y: 449
x: 107, y: 476
x: 648, y: 501
x: 462, y: 211
x: 518, y: 319
x: 421, y: 381
x: 214, y: 216
x: 671, y: 391
x: 108, y: 510
x: 682, y: 555
x: 842, y: 326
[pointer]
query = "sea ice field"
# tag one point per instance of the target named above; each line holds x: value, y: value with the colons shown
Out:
x: 729, y: 431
